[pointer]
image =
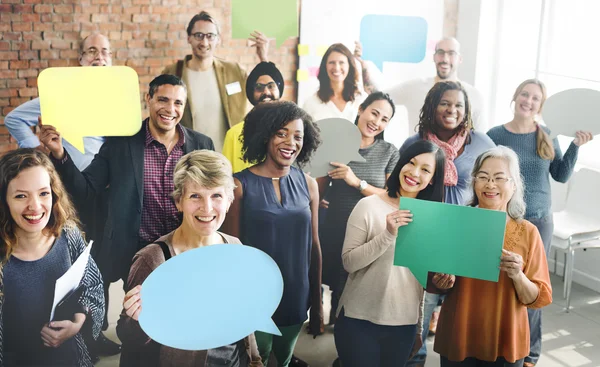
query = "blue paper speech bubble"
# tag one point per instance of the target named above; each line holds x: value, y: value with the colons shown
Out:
x: 393, y: 38
x: 210, y: 297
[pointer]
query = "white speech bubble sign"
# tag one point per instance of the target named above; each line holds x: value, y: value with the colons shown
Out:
x: 341, y: 142
x: 572, y: 110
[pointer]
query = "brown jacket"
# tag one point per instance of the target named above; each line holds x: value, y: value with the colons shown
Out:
x: 235, y: 105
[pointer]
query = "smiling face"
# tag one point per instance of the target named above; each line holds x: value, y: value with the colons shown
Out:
x: 203, y: 209
x: 29, y: 198
x: 450, y: 112
x: 528, y: 101
x: 447, y: 58
x: 337, y: 67
x: 204, y: 48
x: 375, y: 118
x: 286, y: 144
x: 166, y: 107
x: 494, y: 195
x: 417, y: 174
x: 265, y: 89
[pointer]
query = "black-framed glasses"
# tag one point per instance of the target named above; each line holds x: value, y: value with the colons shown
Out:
x: 259, y: 87
x: 199, y: 36
x: 440, y: 52
x: 94, y: 52
x: 500, y: 180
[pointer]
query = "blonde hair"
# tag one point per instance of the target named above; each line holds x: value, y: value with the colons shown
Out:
x: 544, y: 146
x: 206, y: 168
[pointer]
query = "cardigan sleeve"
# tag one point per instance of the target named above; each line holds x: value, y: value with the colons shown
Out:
x: 536, y: 269
x: 562, y: 167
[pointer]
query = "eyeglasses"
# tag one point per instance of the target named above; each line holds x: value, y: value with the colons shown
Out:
x: 94, y: 52
x: 440, y: 52
x: 500, y: 180
x: 259, y: 87
x: 199, y: 36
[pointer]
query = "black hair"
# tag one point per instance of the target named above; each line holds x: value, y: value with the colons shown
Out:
x: 263, y: 122
x: 433, y: 192
x: 374, y: 97
x: 162, y: 80
x: 204, y: 16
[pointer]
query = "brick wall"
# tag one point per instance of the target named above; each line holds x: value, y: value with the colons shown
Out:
x: 146, y: 35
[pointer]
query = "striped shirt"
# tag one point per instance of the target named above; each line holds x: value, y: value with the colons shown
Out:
x: 159, y: 213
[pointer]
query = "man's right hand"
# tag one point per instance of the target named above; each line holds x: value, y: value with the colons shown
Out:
x: 51, y: 140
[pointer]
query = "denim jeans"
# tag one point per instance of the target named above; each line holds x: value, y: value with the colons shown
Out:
x: 545, y: 226
x: 431, y: 302
x: 472, y: 362
x: 361, y: 343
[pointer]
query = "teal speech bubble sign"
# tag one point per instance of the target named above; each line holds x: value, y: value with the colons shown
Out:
x: 210, y: 297
x: 275, y: 18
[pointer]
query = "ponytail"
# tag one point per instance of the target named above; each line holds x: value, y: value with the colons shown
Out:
x: 545, y: 148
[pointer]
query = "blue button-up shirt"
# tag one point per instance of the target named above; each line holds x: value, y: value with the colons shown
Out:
x: 20, y: 120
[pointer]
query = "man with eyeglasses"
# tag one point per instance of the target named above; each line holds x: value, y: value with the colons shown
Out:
x: 216, y: 88
x: 94, y: 50
x: 412, y: 93
x: 264, y: 84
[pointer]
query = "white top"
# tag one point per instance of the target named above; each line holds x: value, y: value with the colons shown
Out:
x: 319, y: 110
x: 412, y: 95
x: 205, y: 104
x: 377, y: 290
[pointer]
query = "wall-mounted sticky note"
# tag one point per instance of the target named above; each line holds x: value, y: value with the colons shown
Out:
x: 219, y: 294
x: 302, y: 75
x: 303, y: 50
x: 90, y: 101
x: 250, y: 15
x: 321, y: 49
x: 313, y: 71
x: 393, y: 38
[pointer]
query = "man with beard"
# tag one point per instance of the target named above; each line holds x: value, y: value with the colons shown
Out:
x: 264, y: 84
x: 215, y: 87
x: 412, y: 93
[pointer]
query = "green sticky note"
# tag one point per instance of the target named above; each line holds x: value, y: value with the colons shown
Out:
x: 275, y: 18
x: 451, y: 239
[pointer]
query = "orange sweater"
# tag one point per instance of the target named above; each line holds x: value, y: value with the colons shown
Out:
x: 486, y: 320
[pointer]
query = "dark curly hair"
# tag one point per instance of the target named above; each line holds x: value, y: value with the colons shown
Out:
x: 263, y: 122
x: 325, y: 91
x: 427, y: 122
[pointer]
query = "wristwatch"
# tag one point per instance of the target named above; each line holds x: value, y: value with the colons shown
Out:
x: 362, y: 185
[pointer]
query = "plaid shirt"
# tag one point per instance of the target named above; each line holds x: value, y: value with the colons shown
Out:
x: 159, y: 214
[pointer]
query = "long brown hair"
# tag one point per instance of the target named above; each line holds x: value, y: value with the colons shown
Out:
x: 325, y: 91
x: 543, y: 142
x: 63, y: 212
x: 427, y: 123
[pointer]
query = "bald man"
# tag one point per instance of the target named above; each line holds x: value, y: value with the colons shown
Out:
x: 412, y: 93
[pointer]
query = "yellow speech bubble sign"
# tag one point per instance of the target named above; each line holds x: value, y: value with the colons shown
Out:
x: 90, y: 101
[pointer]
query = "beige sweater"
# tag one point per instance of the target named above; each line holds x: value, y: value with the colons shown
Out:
x: 376, y: 290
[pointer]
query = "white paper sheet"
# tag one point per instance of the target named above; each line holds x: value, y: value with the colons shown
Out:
x: 71, y: 279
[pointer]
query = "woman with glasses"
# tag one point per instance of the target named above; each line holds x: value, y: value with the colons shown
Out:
x: 484, y: 323
x: 541, y: 158
x: 445, y: 120
x: 339, y: 93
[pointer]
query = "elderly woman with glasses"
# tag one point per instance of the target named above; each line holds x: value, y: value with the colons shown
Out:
x: 484, y: 323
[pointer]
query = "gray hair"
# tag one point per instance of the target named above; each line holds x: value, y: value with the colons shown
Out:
x: 516, y: 205
x: 206, y: 168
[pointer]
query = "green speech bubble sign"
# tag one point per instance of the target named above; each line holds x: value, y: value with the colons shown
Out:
x: 275, y: 18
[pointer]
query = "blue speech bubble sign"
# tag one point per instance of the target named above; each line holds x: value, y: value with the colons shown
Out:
x: 210, y: 297
x: 393, y: 38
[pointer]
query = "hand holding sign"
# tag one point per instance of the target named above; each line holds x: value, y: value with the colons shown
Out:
x: 214, y: 296
x: 571, y: 111
x: 450, y: 239
x: 86, y: 101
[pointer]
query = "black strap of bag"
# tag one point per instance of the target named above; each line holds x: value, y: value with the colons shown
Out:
x: 165, y: 249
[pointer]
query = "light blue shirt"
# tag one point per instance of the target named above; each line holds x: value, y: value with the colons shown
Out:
x: 20, y: 120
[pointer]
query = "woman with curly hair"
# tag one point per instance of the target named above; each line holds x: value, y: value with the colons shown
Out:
x: 339, y: 94
x: 39, y: 241
x: 276, y: 210
x: 445, y: 120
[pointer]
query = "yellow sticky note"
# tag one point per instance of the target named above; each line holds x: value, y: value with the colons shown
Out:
x: 321, y: 50
x: 302, y: 75
x: 303, y: 50
x: 90, y: 101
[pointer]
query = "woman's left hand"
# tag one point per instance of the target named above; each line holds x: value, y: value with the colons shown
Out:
x: 443, y: 281
x: 511, y: 263
x: 57, y: 332
x: 343, y: 172
x: 582, y: 137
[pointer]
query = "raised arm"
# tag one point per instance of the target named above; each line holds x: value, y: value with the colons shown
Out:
x: 19, y: 122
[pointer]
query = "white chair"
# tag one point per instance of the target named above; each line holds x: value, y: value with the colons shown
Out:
x: 577, y: 226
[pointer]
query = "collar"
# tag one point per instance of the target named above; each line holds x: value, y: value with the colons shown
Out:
x: 149, y: 138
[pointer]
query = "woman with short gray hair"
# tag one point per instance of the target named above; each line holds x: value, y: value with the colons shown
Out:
x: 484, y: 323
